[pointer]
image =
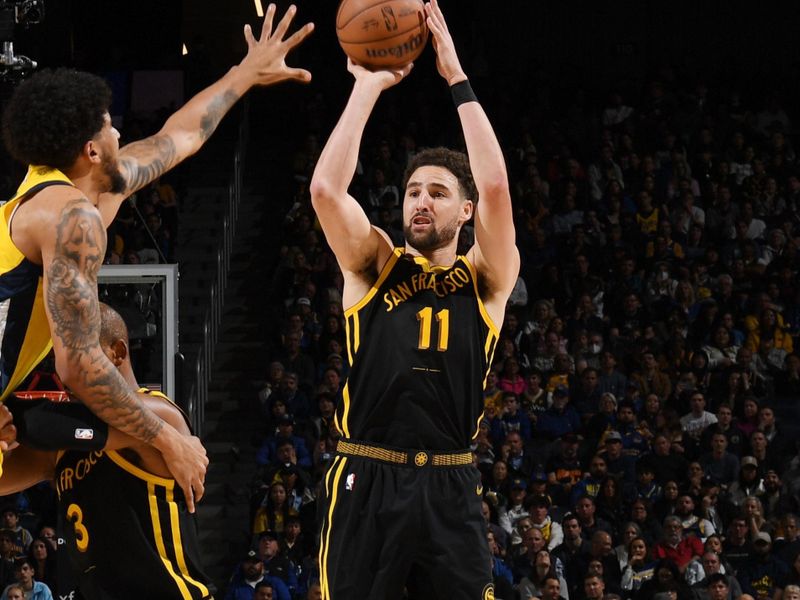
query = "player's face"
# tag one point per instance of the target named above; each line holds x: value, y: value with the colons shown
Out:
x: 433, y: 208
x: 108, y: 144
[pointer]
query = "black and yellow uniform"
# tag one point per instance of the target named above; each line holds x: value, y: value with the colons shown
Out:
x: 128, y: 532
x: 404, y: 500
x: 24, y: 332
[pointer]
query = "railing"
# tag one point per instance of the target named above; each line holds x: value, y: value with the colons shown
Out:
x: 198, y: 394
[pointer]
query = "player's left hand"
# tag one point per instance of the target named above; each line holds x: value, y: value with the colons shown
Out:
x: 446, y: 58
x: 8, y: 433
x: 266, y: 56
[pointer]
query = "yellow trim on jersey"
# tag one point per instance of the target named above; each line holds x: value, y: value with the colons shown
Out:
x: 325, y: 545
x: 346, y: 409
x: 178, y: 543
x: 478, y: 423
x: 387, y: 268
x: 356, y: 332
x: 428, y: 267
x: 492, y: 327
x: 36, y: 343
x: 33, y: 340
x: 139, y: 473
x: 162, y: 551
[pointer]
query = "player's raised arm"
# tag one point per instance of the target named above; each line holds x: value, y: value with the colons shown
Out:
x: 187, y: 130
x: 349, y: 233
x: 71, y: 261
x: 495, y: 254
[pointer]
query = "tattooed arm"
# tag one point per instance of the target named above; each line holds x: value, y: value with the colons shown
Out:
x: 188, y: 129
x: 71, y: 260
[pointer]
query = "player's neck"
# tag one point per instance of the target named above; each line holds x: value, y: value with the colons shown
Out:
x: 438, y: 257
x: 82, y: 180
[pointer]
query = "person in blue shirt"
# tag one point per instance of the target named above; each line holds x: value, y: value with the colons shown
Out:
x: 249, y: 574
x: 560, y: 418
x: 513, y: 418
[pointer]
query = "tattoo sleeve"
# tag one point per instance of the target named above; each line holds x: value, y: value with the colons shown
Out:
x: 147, y: 160
x: 144, y: 161
x: 75, y: 323
x: 217, y: 108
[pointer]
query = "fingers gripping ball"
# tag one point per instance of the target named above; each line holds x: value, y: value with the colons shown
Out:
x: 385, y: 34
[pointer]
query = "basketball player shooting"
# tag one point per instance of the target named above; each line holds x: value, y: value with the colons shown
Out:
x: 53, y: 232
x: 403, y: 498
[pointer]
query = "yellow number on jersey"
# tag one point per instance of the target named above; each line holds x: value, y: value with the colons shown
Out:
x: 75, y: 514
x: 425, y: 318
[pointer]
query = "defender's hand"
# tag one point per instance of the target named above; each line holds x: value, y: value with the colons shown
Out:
x: 446, y: 58
x: 187, y: 461
x: 266, y: 56
x: 382, y: 78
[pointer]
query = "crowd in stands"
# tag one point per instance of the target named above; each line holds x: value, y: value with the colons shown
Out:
x: 632, y: 445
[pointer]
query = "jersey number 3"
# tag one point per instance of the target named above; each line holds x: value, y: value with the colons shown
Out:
x: 75, y: 515
x: 425, y: 318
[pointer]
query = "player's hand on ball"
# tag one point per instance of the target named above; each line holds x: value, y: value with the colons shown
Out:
x: 8, y: 433
x: 266, y: 56
x: 383, y: 78
x: 446, y: 58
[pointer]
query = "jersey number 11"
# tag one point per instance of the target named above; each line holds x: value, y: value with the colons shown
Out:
x: 425, y: 318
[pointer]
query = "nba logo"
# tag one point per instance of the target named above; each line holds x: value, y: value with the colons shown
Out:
x: 351, y: 480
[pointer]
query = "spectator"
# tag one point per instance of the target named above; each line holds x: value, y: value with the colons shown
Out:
x: 676, y: 546
x: 764, y: 575
x: 248, y: 574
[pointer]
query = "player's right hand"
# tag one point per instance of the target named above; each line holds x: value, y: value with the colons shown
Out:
x: 266, y: 56
x: 8, y: 433
x: 187, y: 461
x: 383, y: 78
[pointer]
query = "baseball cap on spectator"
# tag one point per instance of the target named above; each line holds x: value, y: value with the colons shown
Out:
x: 571, y: 438
x: 538, y: 476
x: 749, y: 461
x: 561, y: 390
x: 539, y: 500
x: 613, y: 436
x: 286, y: 420
x: 268, y: 534
x: 303, y: 302
x: 762, y: 537
x: 518, y: 484
x: 251, y: 556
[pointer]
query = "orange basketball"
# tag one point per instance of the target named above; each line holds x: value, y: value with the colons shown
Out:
x: 382, y: 33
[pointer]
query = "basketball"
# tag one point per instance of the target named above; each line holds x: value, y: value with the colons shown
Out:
x: 383, y: 34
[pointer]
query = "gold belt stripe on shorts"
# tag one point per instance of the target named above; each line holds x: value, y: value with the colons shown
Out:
x: 397, y: 457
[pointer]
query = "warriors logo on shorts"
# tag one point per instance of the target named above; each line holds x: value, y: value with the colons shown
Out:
x: 488, y: 592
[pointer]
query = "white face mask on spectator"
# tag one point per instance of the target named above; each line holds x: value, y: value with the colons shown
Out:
x: 596, y: 348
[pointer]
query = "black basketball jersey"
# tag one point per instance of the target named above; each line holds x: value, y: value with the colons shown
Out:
x: 420, y: 344
x: 128, y: 532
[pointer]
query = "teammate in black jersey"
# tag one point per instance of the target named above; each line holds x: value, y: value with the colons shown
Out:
x: 404, y: 501
x: 122, y: 498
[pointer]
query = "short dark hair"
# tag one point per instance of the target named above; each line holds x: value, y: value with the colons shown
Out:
x: 715, y: 578
x: 455, y: 162
x: 52, y: 115
x: 264, y: 584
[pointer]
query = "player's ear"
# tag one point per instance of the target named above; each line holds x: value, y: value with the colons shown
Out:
x: 91, y: 151
x: 119, y: 350
x: 467, y: 208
